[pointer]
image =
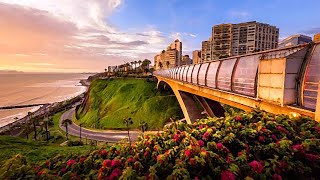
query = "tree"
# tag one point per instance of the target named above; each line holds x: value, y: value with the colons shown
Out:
x: 143, y: 126
x: 135, y: 66
x: 34, y: 124
x: 139, y: 62
x: 127, y: 122
x: 65, y: 123
x: 46, y: 121
x: 26, y: 128
x: 145, y: 65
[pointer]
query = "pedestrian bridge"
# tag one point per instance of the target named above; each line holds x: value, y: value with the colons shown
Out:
x: 280, y: 81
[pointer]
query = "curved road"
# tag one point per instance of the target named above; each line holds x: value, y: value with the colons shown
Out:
x: 108, y: 136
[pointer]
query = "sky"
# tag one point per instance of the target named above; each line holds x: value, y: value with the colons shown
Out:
x: 89, y: 35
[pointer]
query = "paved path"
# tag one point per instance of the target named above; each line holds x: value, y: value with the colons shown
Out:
x: 108, y: 136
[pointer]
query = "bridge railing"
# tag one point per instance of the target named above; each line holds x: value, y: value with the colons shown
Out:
x: 293, y: 71
x: 236, y: 75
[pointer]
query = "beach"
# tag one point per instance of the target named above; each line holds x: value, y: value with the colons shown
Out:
x: 25, y: 89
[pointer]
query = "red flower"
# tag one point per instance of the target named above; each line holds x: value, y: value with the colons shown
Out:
x: 187, y: 153
x: 256, y: 166
x: 40, y: 173
x: 63, y: 170
x: 274, y: 137
x: 227, y: 175
x: 103, y: 152
x: 82, y: 159
x: 280, y: 128
x: 115, y: 173
x: 261, y: 139
x: 297, y: 147
x: 238, y: 118
x: 145, y: 154
x: 219, y: 145
x: 176, y: 137
x: 201, y: 143
x: 115, y: 162
x: 107, y: 163
x: 147, y: 143
x: 130, y: 160
x: 206, y: 136
x: 239, y: 153
x: 276, y: 177
x: 192, y: 161
x: 71, y: 162
x: 196, y: 178
x: 117, y: 152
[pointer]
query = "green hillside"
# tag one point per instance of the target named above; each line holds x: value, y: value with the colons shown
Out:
x: 112, y: 100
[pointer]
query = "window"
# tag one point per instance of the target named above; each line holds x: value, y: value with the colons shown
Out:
x: 195, y: 73
x: 212, y: 72
x: 202, y: 74
x: 189, y: 73
x: 225, y: 73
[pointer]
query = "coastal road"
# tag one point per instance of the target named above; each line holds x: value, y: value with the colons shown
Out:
x: 107, y: 136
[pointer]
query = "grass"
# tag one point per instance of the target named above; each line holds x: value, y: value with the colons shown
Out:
x: 34, y: 151
x: 110, y: 101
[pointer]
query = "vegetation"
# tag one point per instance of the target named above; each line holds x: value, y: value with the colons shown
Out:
x: 255, y: 145
x: 110, y: 101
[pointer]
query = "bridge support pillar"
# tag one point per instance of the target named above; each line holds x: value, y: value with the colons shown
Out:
x: 317, y: 113
x: 188, y: 105
x: 212, y: 108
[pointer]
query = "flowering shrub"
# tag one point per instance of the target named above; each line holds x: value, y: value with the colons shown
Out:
x: 254, y: 145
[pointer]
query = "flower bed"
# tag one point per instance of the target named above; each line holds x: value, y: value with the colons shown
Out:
x: 254, y: 145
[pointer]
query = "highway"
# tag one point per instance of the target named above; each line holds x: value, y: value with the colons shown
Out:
x: 107, y: 135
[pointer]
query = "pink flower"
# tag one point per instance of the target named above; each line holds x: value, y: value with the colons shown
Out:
x: 71, y: 162
x: 238, y: 118
x: 312, y: 157
x: 276, y: 177
x: 256, y: 166
x: 107, y: 163
x: 187, y: 153
x: 280, y: 128
x: 196, y: 178
x: 63, y: 170
x: 82, y: 159
x: 274, y: 137
x: 115, y: 162
x: 201, y: 143
x: 115, y: 173
x: 130, y: 160
x: 206, y: 136
x: 297, y: 147
x: 261, y: 139
x: 176, y: 137
x: 239, y: 153
x: 227, y: 175
x: 219, y: 145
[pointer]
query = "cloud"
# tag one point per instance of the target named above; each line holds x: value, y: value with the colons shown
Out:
x: 39, y: 64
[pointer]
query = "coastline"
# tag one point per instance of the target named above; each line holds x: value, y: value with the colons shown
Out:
x: 11, y: 119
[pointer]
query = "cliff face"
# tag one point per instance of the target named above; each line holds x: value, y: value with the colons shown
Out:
x: 108, y: 102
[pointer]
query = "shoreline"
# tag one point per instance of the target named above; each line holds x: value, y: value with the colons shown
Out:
x: 40, y: 107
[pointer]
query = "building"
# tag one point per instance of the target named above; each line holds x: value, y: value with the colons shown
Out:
x: 172, y: 57
x: 316, y: 37
x: 196, y: 56
x: 243, y: 38
x: 294, y: 40
x: 177, y: 45
x: 186, y: 60
x: 206, y: 50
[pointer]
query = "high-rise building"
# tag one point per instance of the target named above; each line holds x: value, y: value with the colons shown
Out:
x: 206, y: 50
x: 294, y: 40
x: 186, y: 60
x: 316, y: 37
x: 172, y: 57
x: 177, y: 45
x: 196, y: 56
x: 243, y: 38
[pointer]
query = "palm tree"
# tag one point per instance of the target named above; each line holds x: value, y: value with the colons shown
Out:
x: 143, y: 126
x: 26, y: 128
x: 65, y: 123
x: 145, y: 65
x: 139, y: 62
x: 128, y: 122
x: 135, y: 66
x: 34, y: 124
x: 46, y: 123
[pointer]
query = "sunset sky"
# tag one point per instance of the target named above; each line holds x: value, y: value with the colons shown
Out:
x: 89, y: 35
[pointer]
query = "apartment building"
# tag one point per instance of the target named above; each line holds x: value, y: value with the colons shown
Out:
x: 196, y: 56
x: 186, y: 60
x: 243, y: 38
x: 169, y: 58
x: 206, y: 50
x: 316, y: 37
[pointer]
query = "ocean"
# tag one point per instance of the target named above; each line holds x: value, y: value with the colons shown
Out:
x: 25, y: 88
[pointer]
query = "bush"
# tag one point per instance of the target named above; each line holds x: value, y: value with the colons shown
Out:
x: 75, y: 143
x: 254, y: 145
